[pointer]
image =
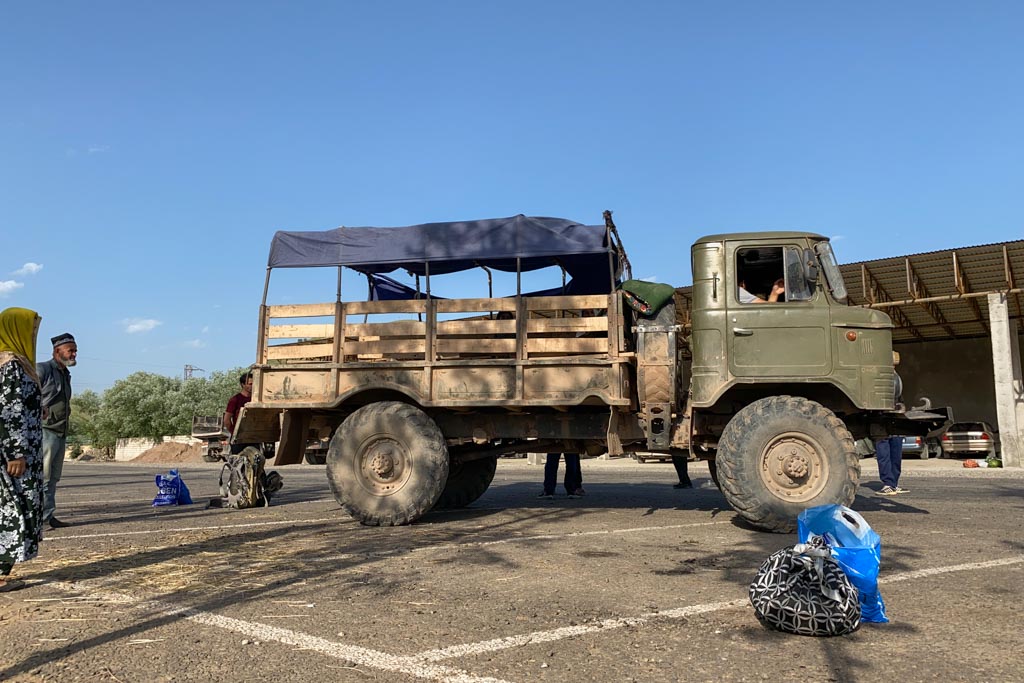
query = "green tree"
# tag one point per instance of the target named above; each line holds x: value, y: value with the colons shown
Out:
x: 205, y: 396
x: 146, y: 405
x: 82, y: 430
x: 141, y: 405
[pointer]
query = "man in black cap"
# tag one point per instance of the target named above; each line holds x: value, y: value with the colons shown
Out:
x: 55, y: 381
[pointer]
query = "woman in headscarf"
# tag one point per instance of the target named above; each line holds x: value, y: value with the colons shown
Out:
x: 21, y: 436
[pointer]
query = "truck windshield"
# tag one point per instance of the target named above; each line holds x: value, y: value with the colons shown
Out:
x: 831, y: 270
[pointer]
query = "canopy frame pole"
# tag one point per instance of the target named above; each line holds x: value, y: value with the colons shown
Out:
x: 490, y: 279
x: 521, y: 316
x: 490, y: 282
x: 561, y: 312
x: 611, y: 251
x: 266, y: 286
x: 371, y: 288
x: 261, y: 342
x: 339, y: 338
x: 609, y: 225
x: 419, y: 316
x: 431, y: 324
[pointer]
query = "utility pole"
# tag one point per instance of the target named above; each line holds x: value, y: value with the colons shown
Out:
x: 189, y: 369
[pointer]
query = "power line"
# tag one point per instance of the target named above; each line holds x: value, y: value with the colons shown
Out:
x: 130, y: 363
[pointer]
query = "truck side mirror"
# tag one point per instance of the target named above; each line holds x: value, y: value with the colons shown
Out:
x: 810, y: 266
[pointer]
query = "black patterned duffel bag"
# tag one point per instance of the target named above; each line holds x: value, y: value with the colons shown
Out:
x: 803, y: 590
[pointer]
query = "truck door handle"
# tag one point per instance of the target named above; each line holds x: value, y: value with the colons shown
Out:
x: 742, y: 332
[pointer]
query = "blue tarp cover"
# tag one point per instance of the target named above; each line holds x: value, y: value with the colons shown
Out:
x: 450, y: 247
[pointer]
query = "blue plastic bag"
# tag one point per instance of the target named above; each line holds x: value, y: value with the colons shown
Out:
x: 856, y: 547
x: 171, y: 490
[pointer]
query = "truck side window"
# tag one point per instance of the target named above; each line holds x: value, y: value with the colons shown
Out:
x: 758, y: 272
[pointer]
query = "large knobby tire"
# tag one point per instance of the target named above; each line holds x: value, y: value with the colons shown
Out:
x: 783, y: 454
x: 467, y: 481
x: 387, y: 464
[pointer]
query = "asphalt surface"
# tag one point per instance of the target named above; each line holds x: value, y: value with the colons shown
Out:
x: 637, y: 581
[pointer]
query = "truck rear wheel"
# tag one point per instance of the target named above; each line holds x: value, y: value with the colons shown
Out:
x: 387, y: 464
x: 467, y: 481
x: 783, y: 454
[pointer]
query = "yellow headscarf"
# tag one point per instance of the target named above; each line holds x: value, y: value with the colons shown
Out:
x: 18, y: 330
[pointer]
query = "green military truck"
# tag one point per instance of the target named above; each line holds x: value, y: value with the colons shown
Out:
x: 763, y: 370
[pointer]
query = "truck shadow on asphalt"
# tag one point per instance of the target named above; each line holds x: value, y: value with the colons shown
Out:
x: 228, y: 570
x: 231, y: 569
x: 869, y: 502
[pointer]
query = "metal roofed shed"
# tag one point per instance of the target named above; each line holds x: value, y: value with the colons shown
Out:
x: 940, y: 294
x: 952, y: 297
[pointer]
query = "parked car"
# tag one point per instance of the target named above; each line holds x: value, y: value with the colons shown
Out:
x: 970, y: 438
x: 923, y: 447
x: 916, y: 445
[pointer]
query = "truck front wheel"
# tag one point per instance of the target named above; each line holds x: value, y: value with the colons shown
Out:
x: 783, y: 454
x: 387, y: 464
x: 467, y: 481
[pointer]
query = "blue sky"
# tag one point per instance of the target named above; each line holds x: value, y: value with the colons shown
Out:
x: 149, y: 151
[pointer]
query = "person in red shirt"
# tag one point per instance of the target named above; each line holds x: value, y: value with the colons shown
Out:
x: 235, y: 404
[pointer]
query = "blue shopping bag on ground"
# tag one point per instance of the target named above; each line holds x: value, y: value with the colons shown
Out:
x: 171, y: 490
x: 856, y: 547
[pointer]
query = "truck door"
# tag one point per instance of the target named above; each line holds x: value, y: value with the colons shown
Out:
x: 775, y: 331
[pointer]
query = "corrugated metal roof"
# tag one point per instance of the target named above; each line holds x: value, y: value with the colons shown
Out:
x: 934, y: 295
x: 939, y: 294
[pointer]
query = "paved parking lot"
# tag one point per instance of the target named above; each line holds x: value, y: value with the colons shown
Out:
x: 635, y: 582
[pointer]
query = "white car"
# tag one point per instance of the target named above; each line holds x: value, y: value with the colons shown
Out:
x: 970, y: 438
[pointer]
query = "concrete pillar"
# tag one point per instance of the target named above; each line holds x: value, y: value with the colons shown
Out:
x: 1009, y: 381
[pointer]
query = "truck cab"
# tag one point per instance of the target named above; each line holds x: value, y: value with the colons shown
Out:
x: 747, y: 343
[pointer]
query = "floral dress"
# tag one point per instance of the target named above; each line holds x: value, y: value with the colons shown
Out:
x: 21, y: 435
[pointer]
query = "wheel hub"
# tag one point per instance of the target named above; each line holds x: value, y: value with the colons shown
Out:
x: 384, y: 465
x: 794, y: 467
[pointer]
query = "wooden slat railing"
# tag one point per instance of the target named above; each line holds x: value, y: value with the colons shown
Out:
x: 558, y: 325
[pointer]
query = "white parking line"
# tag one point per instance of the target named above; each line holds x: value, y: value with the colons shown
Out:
x: 385, y: 553
x: 350, y: 653
x: 503, y: 541
x: 423, y: 665
x: 152, y: 532
x: 469, y: 649
x: 197, y: 497
x: 923, y: 573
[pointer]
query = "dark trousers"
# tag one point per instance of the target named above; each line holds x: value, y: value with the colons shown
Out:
x: 680, y: 462
x: 889, y: 454
x: 573, y: 473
